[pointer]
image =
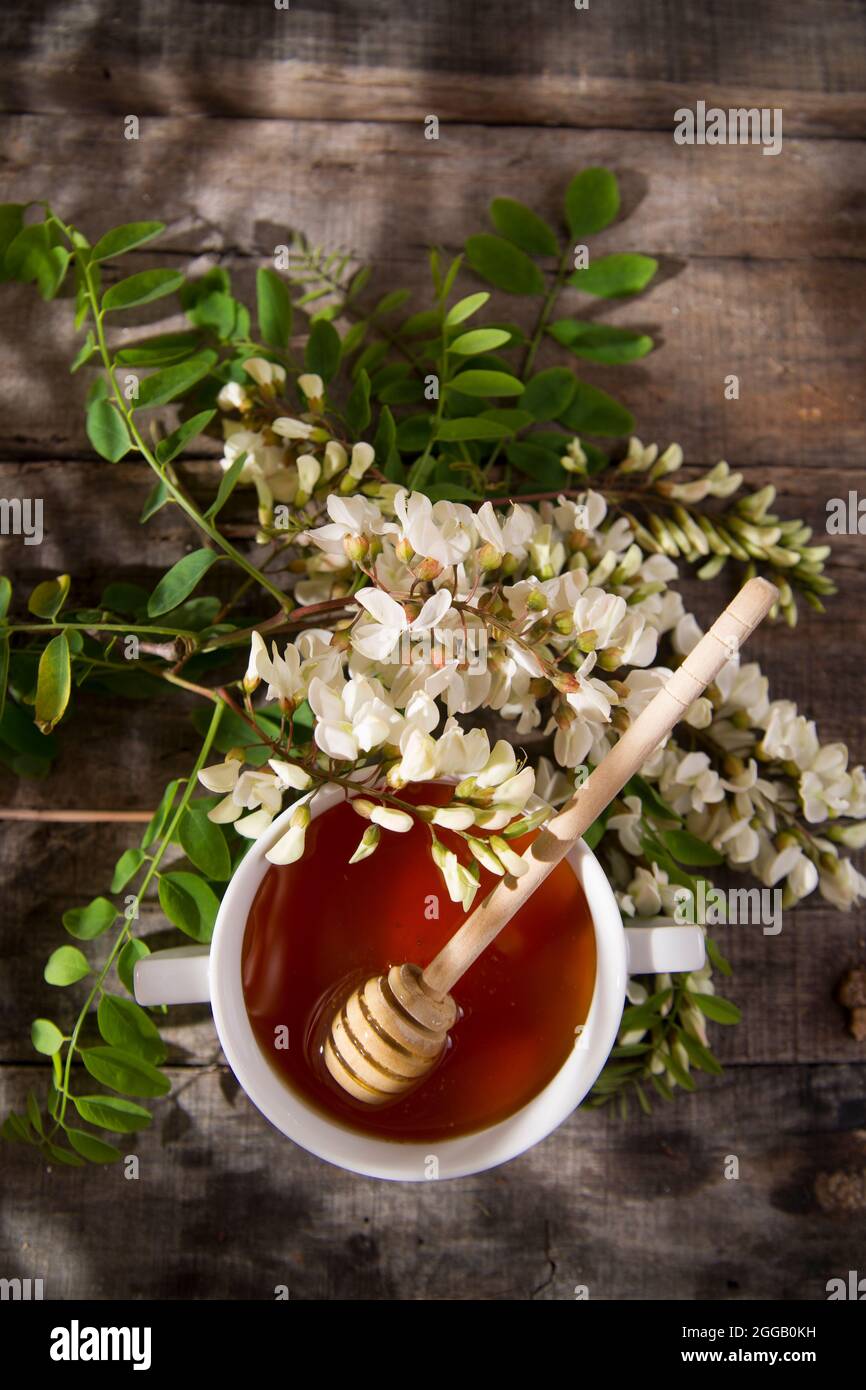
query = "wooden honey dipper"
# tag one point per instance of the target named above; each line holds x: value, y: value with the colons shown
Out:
x: 392, y: 1030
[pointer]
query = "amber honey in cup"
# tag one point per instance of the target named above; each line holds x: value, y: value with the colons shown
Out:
x: 322, y: 925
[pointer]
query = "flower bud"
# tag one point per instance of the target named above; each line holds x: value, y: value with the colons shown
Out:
x: 426, y: 569
x: 488, y: 557
x: 363, y: 806
x: 481, y: 851
x: 356, y: 548
x: 367, y: 844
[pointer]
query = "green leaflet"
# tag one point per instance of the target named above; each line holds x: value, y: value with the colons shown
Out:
x: 54, y: 683
x: 523, y: 227
x: 180, y: 581
x: 504, y: 265
x: 274, y: 308
x: 125, y: 238
x: 591, y: 202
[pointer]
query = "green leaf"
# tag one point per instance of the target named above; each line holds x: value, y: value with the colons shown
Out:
x: 549, y: 393
x: 142, y: 288
x: 112, y: 1113
x: 164, y: 386
x: 595, y: 412
x: 650, y: 799
x: 389, y: 302
x: 46, y: 1036
x: 698, y: 1055
x: 599, y: 342
x: 180, y: 581
x: 612, y: 277
x: 479, y: 340
x: 90, y: 1147
x: 124, y: 1072
x: 85, y: 923
x: 85, y: 352
x: 169, y: 448
x: 126, y: 868
x: 679, y: 1073
x: 134, y: 950
x: 451, y: 492
x: 537, y: 463
x: 158, y: 819
x: 228, y: 483
x: 162, y: 350
x: 107, y: 432
x: 322, y: 353
x: 11, y: 223
x: 66, y: 966
x: 204, y: 844
x: 5, y: 596
x: 476, y: 427
x: 4, y: 671
x: 123, y: 1023
x: 189, y: 903
x: 274, y: 308
x: 156, y: 498
x: 358, y: 405
x: 16, y: 1128
x: 504, y: 265
x: 688, y: 849
x: 718, y: 1009
x: 54, y: 683
x: 591, y: 202
x: 59, y: 1155
x: 463, y: 309
x: 49, y: 597
x: 524, y: 227
x: 125, y: 238
x: 485, y: 383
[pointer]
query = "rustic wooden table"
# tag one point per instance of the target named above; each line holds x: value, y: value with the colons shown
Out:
x: 254, y: 121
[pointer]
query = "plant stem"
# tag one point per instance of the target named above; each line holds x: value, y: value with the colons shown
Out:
x: 175, y: 491
x: 125, y: 931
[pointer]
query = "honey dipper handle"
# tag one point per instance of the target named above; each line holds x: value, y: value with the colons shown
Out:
x: 653, y: 724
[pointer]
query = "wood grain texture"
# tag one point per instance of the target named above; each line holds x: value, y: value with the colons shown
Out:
x: 256, y: 122
x: 225, y: 1207
x: 498, y: 61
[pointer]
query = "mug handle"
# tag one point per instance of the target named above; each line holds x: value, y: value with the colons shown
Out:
x: 659, y: 950
x: 181, y: 975
x: 177, y: 976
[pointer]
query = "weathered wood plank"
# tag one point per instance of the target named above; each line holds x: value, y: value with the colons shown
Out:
x: 215, y: 1176
x: 494, y: 62
x: 385, y: 191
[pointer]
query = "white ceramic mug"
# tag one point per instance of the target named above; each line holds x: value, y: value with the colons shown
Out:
x: 196, y: 974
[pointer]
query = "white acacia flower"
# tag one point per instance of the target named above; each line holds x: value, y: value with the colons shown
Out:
x: 265, y: 374
x: 825, y: 786
x: 233, y: 396
x: 600, y: 614
x: 788, y: 737
x: 351, y: 517
x: 352, y: 720
x: 380, y: 639
x: 312, y: 386
x: 287, y: 427
x: 444, y: 531
x: 460, y: 754
x: 283, y: 673
x: 628, y: 825
x: 692, y: 784
x: 391, y: 818
x: 262, y: 460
